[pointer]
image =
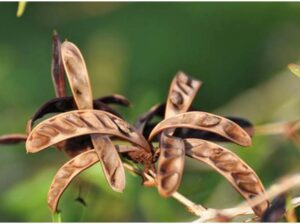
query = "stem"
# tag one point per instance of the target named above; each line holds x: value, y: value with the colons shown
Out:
x: 272, y: 128
x: 196, y: 209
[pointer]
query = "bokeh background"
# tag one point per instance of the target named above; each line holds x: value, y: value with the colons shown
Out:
x: 239, y: 50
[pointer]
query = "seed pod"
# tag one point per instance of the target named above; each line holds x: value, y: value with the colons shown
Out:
x: 80, y: 85
x: 182, y: 92
x: 77, y: 74
x: 72, y: 168
x: 12, y: 139
x: 64, y: 104
x: 143, y: 121
x: 81, y: 122
x: 170, y: 164
x: 57, y: 69
x: 67, y: 173
x: 230, y: 166
x: 206, y: 122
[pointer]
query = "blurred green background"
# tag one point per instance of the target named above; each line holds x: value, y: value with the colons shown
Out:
x: 239, y: 50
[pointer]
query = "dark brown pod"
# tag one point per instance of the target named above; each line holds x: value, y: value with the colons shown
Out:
x: 12, y: 138
x: 57, y: 69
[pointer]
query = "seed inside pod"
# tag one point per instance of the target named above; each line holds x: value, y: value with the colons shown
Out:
x: 209, y: 121
x: 176, y: 99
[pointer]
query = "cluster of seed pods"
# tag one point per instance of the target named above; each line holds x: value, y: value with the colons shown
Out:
x: 86, y: 129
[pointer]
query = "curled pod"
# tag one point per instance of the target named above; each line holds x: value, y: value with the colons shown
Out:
x: 230, y: 166
x: 205, y: 122
x: 67, y: 173
x: 64, y: 104
x: 143, y: 121
x: 170, y: 164
x: 182, y: 92
x: 72, y: 168
x: 81, y: 122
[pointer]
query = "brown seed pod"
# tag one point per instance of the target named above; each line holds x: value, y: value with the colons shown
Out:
x: 12, y: 138
x: 67, y: 173
x: 72, y: 168
x: 64, y: 104
x: 77, y: 74
x: 81, y: 122
x: 182, y: 92
x: 57, y: 69
x: 111, y: 162
x: 229, y: 165
x: 170, y: 164
x: 80, y: 85
x: 207, y: 122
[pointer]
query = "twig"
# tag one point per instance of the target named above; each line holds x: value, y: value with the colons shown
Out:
x: 196, y: 209
x: 284, y: 185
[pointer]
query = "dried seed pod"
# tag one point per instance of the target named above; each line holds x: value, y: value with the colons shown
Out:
x: 57, y: 69
x: 72, y: 168
x: 143, y: 121
x: 170, y: 164
x: 111, y: 162
x: 191, y: 133
x: 67, y: 173
x: 276, y: 211
x: 80, y: 85
x: 12, y: 139
x: 206, y: 122
x: 115, y: 99
x: 64, y: 104
x: 182, y: 92
x: 229, y: 165
x: 81, y: 122
x: 77, y: 74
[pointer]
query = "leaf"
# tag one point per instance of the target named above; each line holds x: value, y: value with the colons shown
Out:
x: 21, y: 8
x: 295, y: 69
x: 81, y: 122
x: 230, y: 166
x: 205, y: 122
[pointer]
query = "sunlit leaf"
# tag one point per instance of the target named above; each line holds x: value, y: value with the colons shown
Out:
x: 21, y: 8
x: 295, y: 69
